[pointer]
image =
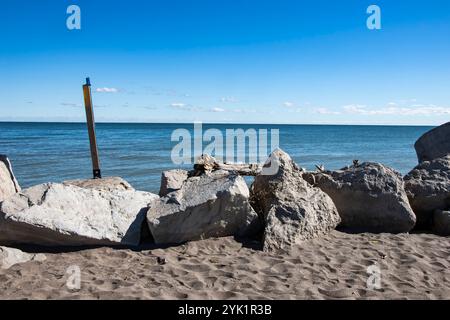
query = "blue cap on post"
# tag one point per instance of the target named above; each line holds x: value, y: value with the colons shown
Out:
x: 88, y: 81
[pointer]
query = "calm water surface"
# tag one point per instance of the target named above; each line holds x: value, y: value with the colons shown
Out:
x: 43, y: 152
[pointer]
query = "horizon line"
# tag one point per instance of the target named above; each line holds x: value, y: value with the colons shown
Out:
x: 225, y: 123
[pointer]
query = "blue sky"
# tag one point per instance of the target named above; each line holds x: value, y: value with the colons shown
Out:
x: 227, y: 61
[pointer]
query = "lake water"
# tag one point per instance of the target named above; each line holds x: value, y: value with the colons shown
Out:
x: 43, y: 152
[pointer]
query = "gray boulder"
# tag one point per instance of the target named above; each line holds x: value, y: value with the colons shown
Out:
x: 441, y: 222
x: 434, y: 144
x: 57, y: 214
x: 210, y: 205
x: 293, y: 210
x: 10, y: 257
x: 106, y: 184
x: 172, y: 180
x: 8, y: 183
x: 369, y: 197
x: 428, y: 188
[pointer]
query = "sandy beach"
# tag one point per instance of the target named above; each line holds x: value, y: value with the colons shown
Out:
x: 413, y: 266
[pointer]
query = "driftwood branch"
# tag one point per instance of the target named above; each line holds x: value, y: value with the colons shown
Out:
x: 251, y: 169
x: 207, y: 163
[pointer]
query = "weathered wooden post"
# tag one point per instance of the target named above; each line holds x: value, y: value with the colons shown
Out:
x: 91, y: 129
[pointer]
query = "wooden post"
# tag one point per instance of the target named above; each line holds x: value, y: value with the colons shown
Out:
x: 91, y: 129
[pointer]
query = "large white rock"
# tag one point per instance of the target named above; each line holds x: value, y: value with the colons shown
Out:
x: 211, y: 205
x: 107, y: 184
x: 57, y: 214
x: 428, y: 189
x: 11, y: 256
x: 172, y: 180
x: 434, y: 144
x: 293, y: 210
x: 8, y: 183
x: 369, y: 197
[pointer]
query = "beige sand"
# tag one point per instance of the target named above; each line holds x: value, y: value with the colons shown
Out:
x: 333, y: 267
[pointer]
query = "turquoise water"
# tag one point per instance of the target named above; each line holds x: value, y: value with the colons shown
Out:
x: 42, y: 152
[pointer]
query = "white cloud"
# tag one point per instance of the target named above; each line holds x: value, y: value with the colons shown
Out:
x: 189, y: 107
x: 77, y: 105
x: 70, y: 104
x: 326, y: 111
x: 178, y: 105
x: 228, y: 99
x: 355, y: 109
x: 247, y: 110
x: 164, y: 92
x: 414, y: 110
x: 288, y: 104
x: 107, y: 90
x: 184, y: 106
